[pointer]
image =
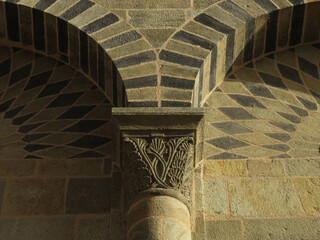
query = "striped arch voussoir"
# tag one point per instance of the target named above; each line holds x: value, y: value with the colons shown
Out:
x: 80, y: 33
x: 229, y: 34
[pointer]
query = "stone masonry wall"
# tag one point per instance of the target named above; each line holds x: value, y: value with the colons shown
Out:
x: 261, y: 176
x: 57, y: 179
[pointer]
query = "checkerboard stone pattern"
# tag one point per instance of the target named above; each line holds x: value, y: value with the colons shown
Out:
x: 56, y: 151
x: 261, y: 149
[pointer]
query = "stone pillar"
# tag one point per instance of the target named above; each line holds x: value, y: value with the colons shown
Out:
x: 157, y: 157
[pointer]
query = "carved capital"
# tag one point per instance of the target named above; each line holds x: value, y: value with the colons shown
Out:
x: 158, y: 163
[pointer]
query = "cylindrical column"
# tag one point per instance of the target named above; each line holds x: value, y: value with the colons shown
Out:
x: 158, y: 218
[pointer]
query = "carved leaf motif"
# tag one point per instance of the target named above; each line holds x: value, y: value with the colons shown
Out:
x: 161, y: 164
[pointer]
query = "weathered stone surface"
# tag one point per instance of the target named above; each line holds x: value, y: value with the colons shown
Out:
x: 226, y: 168
x: 173, y: 230
x: 215, y: 200
x: 224, y: 230
x: 199, y: 4
x: 156, y: 18
x: 309, y: 193
x: 2, y: 186
x: 36, y: 228
x: 266, y: 167
x: 89, y: 195
x: 93, y: 229
x: 263, y: 197
x: 16, y: 168
x: 70, y: 167
x: 159, y: 207
x: 147, y: 4
x: 303, y: 166
x: 157, y: 37
x: 146, y: 229
x: 282, y: 229
x: 34, y: 197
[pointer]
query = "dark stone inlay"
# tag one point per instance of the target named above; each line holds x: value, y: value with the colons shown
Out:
x: 271, y: 36
x: 249, y: 65
x: 301, y: 112
x: 4, y: 106
x: 278, y: 147
x: 218, y: 90
x: 38, y: 29
x: 227, y: 143
x: 101, y: 67
x: 267, y: 5
x: 273, y: 81
x: 20, y: 74
x: 32, y: 157
x: 100, y: 23
x: 85, y: 126
x: 33, y: 137
x: 284, y: 126
x: 12, y: 21
x: 147, y: 81
x: 226, y: 155
x: 2, y: 189
x: 246, y: 101
x: 259, y: 90
x: 29, y: 127
x: 200, y: 84
x: 53, y: 88
x: 309, y: 105
x: 38, y: 80
x: 271, y: 56
x: 5, y: 67
x: 297, y: 22
x: 290, y: 73
x: 135, y: 59
x: 237, y: 11
x: 63, y: 36
x: 44, y: 4
x: 143, y: 104
x: 36, y: 147
x: 22, y: 119
x: 12, y: 113
x: 213, y: 68
x: 193, y: 39
x: 89, y: 195
x: 174, y: 82
x: 231, y: 127
x: 279, y: 136
x: 88, y: 154
x: 281, y: 156
x: 316, y: 96
x: 223, y: 28
x: 65, y: 99
x: 114, y: 85
x: 236, y: 113
x: 296, y: 2
x: 84, y: 55
x: 213, y: 23
x: 90, y: 141
x: 121, y: 39
x: 308, y: 67
x: 250, y: 26
x: 76, y: 9
x: 290, y: 117
x: 175, y: 104
x: 76, y: 112
x: 180, y: 59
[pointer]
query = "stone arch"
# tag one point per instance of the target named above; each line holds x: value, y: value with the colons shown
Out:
x: 83, y: 34
x: 229, y: 34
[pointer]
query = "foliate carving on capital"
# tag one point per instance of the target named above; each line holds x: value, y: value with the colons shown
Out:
x: 158, y: 162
